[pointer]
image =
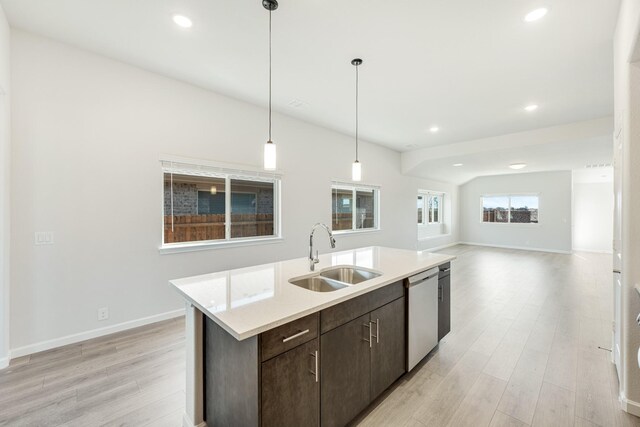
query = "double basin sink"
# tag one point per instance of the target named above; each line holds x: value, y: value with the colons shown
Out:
x: 332, y: 279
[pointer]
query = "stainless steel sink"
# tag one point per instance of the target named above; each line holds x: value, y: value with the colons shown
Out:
x: 350, y: 275
x: 318, y: 284
x: 335, y: 278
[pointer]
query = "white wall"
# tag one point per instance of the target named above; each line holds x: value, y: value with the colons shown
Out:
x: 88, y: 132
x: 553, y: 233
x: 627, y: 114
x: 593, y: 216
x: 5, y: 162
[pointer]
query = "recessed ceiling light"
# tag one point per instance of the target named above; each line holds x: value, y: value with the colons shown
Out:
x: 536, y: 14
x: 457, y: 165
x: 182, y: 21
x: 530, y: 108
x: 518, y: 165
x: 434, y: 129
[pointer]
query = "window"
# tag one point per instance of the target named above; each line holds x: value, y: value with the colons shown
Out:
x: 354, y: 208
x: 430, y: 208
x: 207, y: 204
x: 514, y: 209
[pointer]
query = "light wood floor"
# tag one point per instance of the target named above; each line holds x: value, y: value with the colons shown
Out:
x: 523, y: 351
x: 523, y: 347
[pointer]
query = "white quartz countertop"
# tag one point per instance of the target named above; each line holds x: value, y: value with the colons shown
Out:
x: 248, y: 301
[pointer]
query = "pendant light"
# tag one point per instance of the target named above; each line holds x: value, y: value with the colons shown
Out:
x: 356, y: 167
x: 270, y: 146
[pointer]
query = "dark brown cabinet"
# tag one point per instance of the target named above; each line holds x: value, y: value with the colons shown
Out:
x: 444, y: 300
x: 319, y: 370
x: 388, y: 346
x: 360, y: 360
x: 346, y: 365
x: 291, y: 387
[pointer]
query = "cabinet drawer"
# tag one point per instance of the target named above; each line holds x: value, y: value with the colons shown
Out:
x: 288, y: 336
x: 342, y: 313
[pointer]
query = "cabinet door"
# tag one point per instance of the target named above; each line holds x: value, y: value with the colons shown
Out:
x: 291, y: 389
x: 346, y: 366
x: 444, y: 306
x: 388, y: 353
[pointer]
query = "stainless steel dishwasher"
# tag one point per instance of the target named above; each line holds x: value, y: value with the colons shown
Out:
x: 423, y: 315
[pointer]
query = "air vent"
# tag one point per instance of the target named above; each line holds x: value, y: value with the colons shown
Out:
x: 598, y: 165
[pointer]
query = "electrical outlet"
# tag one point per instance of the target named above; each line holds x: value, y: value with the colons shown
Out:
x: 44, y: 238
x: 103, y: 313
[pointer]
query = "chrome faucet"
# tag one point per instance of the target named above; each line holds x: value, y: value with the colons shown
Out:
x: 314, y: 260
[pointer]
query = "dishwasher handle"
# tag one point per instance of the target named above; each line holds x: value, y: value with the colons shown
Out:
x: 422, y: 277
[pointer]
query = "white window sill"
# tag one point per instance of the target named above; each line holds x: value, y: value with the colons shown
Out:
x: 204, y: 246
x: 430, y: 224
x: 437, y: 236
x: 353, y: 232
x: 512, y: 224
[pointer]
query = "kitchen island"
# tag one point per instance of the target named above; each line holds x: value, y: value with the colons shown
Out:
x: 263, y: 351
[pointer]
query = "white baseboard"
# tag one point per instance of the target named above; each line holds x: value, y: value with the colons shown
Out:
x: 186, y: 422
x: 592, y: 251
x: 94, y: 333
x: 437, y: 248
x: 4, y: 362
x: 519, y: 248
x: 629, y: 405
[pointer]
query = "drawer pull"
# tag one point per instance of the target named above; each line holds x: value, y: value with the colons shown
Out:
x: 298, y: 335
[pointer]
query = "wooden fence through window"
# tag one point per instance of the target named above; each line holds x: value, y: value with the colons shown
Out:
x: 193, y: 228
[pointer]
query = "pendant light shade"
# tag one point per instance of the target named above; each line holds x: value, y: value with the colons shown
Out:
x: 270, y: 156
x: 356, y: 167
x: 270, y: 147
x: 356, y: 171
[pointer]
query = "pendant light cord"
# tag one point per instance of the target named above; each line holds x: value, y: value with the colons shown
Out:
x: 270, y: 76
x: 357, y: 113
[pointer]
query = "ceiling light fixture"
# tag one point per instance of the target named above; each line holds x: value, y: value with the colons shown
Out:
x: 457, y: 165
x: 270, y: 147
x: 182, y: 21
x: 531, y: 108
x: 536, y: 14
x: 356, y: 168
x: 518, y: 165
x: 434, y: 129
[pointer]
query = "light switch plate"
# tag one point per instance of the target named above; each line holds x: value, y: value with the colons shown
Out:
x: 44, y: 238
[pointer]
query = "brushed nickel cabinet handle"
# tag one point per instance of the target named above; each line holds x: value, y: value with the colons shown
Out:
x: 298, y: 335
x: 377, y: 335
x: 377, y: 330
x: 316, y: 374
x: 370, y: 341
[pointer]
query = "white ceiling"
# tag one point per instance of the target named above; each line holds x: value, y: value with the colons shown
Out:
x: 566, y: 147
x: 467, y: 66
x: 570, y: 155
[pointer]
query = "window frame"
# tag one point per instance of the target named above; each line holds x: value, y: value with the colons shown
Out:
x: 426, y: 194
x: 228, y: 172
x: 354, y: 188
x: 509, y: 196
